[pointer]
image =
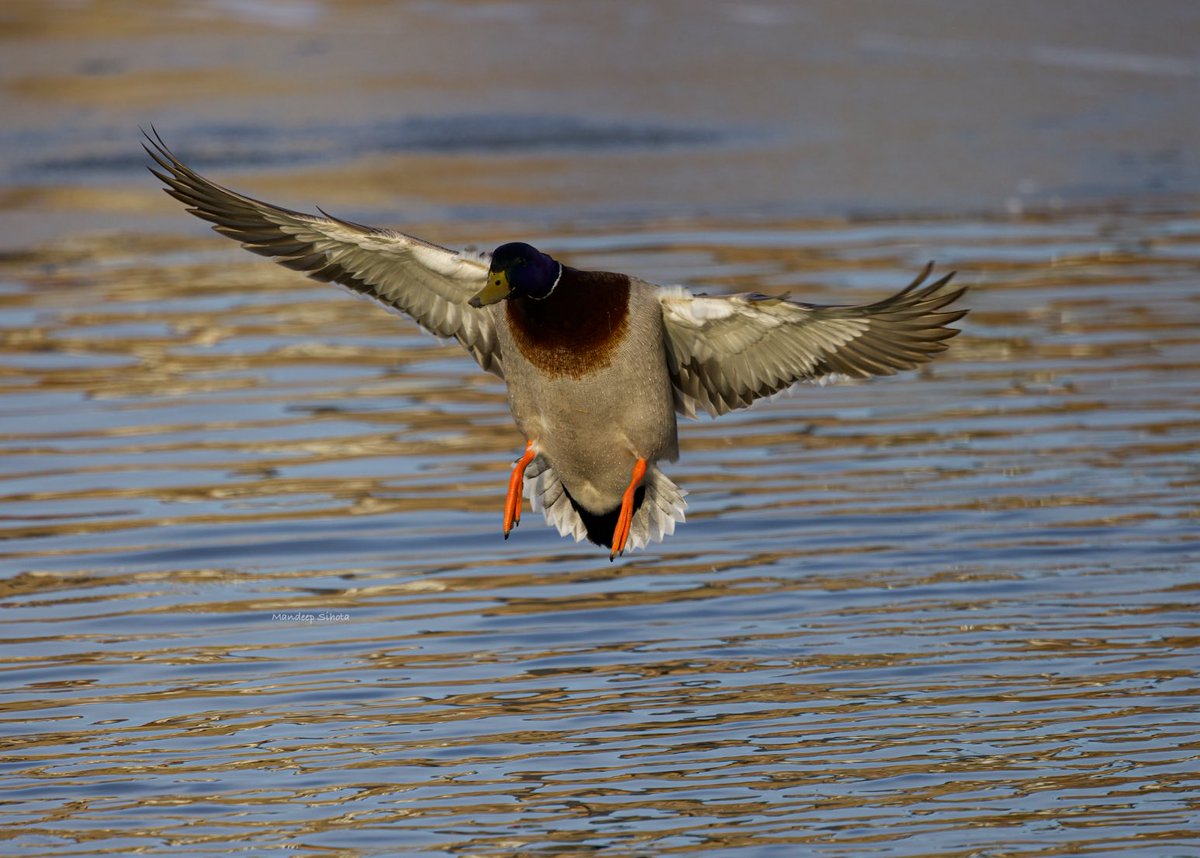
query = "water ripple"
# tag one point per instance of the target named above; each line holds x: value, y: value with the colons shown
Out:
x: 258, y: 598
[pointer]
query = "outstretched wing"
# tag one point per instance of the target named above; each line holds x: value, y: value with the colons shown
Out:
x: 726, y: 352
x: 428, y: 283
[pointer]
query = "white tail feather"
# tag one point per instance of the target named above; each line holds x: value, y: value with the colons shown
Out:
x: 662, y: 506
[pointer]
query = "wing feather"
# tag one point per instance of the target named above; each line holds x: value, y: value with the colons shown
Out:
x: 726, y: 352
x: 428, y: 283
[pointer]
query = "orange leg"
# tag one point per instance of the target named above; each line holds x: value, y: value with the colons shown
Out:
x: 512, y: 501
x: 625, y: 521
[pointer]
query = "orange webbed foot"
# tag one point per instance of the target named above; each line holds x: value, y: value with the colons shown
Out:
x: 625, y: 520
x: 512, y: 501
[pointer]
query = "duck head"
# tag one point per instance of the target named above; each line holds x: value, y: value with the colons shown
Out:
x: 518, y: 270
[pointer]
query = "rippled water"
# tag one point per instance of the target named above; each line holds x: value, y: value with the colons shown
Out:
x: 262, y: 601
x: 254, y: 593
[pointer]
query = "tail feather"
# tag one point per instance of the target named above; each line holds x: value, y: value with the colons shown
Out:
x: 658, y: 505
x: 599, y: 528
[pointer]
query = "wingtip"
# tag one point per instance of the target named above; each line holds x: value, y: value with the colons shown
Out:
x: 945, y: 278
x: 156, y: 148
x: 153, y: 138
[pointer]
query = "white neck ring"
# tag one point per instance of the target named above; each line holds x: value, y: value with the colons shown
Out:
x: 553, y: 286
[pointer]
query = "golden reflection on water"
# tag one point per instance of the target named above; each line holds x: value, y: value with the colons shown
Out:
x: 258, y: 596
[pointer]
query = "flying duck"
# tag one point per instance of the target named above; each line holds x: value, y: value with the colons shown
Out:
x: 597, y: 364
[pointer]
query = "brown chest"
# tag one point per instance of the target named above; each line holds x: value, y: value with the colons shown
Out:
x: 577, y: 329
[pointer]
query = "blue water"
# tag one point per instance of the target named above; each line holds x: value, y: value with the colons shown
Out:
x: 254, y: 592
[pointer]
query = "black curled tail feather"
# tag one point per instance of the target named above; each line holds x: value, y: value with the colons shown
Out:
x: 600, y: 527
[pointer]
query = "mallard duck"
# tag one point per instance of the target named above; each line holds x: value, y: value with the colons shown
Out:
x: 597, y: 364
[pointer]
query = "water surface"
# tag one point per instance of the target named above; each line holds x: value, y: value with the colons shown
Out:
x: 259, y: 595
x: 255, y: 597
